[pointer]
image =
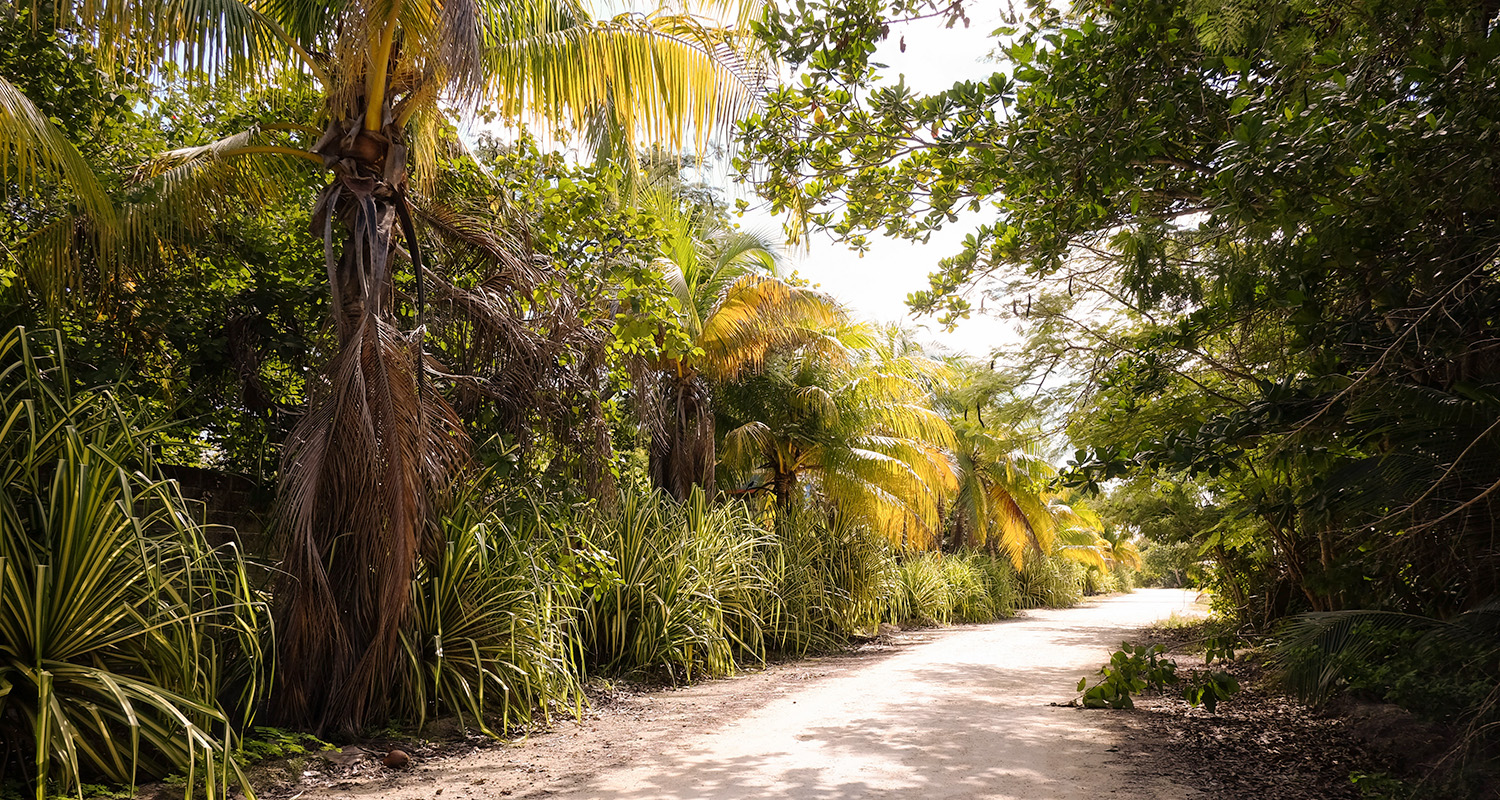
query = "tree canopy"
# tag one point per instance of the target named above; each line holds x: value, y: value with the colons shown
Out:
x: 1257, y: 238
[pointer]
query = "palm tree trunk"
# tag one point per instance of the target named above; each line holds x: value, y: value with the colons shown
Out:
x: 784, y: 486
x: 682, y: 450
x: 363, y: 468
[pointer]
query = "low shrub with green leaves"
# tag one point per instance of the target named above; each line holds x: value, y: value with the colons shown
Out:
x: 129, y: 647
x: 1445, y: 669
x: 1131, y: 670
x: 492, y: 633
x: 693, y: 587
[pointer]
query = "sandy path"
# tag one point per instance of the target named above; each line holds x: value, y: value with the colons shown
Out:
x: 949, y: 713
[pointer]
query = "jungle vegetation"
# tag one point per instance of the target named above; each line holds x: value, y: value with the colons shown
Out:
x: 510, y: 400
x: 1253, y: 247
x: 519, y: 401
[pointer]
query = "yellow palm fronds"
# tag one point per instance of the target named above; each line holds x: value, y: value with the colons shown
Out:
x: 863, y: 440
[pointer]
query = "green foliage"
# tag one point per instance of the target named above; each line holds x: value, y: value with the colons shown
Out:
x: 936, y: 588
x: 1207, y: 687
x: 1131, y: 670
x: 1444, y: 669
x: 1220, y: 648
x: 1380, y: 786
x: 491, y: 636
x: 833, y: 578
x: 1169, y: 565
x: 1238, y: 225
x: 1098, y: 581
x: 692, y: 592
x: 1049, y: 582
x: 128, y: 645
x: 264, y: 743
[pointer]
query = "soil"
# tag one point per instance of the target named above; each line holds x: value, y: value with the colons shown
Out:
x: 1258, y: 744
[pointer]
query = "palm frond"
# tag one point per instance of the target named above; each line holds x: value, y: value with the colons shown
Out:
x: 660, y: 83
x: 37, y: 153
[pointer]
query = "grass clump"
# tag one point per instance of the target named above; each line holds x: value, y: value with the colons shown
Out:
x: 491, y: 632
x: 129, y: 646
x: 937, y: 588
x: 1049, y: 582
x: 692, y: 592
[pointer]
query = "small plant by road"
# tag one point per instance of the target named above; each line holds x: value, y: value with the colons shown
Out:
x: 1134, y: 668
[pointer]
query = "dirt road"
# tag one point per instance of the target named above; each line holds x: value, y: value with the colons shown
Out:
x: 946, y: 713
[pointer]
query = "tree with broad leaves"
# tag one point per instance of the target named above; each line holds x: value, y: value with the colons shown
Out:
x: 1257, y: 238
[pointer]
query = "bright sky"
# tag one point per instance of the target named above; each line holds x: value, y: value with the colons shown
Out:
x: 876, y: 285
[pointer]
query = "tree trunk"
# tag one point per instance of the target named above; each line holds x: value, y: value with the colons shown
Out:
x: 682, y: 450
x: 364, y: 466
x: 784, y: 485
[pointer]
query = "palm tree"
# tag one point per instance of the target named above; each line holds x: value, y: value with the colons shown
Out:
x: 366, y: 464
x: 1005, y: 500
x: 735, y: 309
x: 1001, y: 502
x: 865, y: 439
x: 1119, y: 548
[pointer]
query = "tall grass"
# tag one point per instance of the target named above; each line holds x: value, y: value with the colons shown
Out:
x: 1108, y: 581
x: 934, y: 588
x: 1049, y: 582
x: 491, y: 636
x: 125, y: 639
x: 832, y: 579
x: 691, y: 591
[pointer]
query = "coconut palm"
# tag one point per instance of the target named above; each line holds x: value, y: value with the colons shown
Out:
x: 1006, y: 500
x: 1001, y: 502
x: 864, y: 439
x: 1119, y: 549
x: 362, y: 471
x: 735, y: 309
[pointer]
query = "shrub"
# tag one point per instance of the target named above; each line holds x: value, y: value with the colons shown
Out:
x: 1131, y: 670
x: 1049, y: 582
x: 492, y: 618
x: 832, y: 579
x: 1000, y: 581
x: 121, y: 629
x: 692, y: 591
x: 924, y: 594
x: 1441, y: 669
x: 941, y: 588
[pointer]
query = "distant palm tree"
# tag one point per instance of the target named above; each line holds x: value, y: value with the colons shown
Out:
x: 735, y: 309
x: 361, y: 471
x: 1006, y: 500
x: 862, y: 439
x: 1001, y: 499
x: 1119, y: 549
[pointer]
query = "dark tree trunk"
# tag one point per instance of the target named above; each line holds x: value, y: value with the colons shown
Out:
x: 682, y: 449
x: 363, y: 467
x: 784, y: 485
